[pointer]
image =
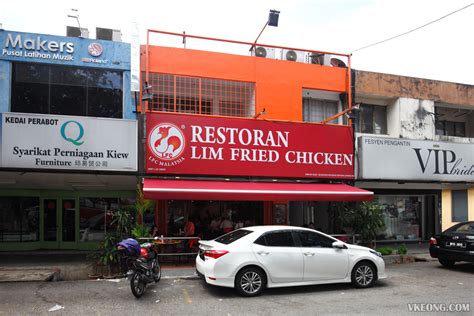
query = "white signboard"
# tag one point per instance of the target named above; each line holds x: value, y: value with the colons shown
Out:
x: 68, y: 142
x: 403, y: 159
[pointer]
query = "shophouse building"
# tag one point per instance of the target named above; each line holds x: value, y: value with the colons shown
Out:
x: 415, y: 151
x: 239, y: 137
x: 68, y: 139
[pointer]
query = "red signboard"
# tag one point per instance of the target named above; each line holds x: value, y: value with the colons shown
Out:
x: 191, y: 144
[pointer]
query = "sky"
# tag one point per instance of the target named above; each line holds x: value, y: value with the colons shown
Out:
x: 441, y: 51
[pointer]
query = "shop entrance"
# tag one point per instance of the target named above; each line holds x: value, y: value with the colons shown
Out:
x: 59, y: 219
x: 211, y: 218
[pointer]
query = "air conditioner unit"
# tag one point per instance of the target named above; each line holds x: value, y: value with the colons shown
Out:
x: 336, y: 62
x: 73, y: 31
x: 108, y: 34
x: 318, y: 58
x: 325, y: 60
x: 293, y: 55
x: 264, y: 52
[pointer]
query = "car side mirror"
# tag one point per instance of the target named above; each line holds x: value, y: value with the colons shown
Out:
x: 339, y: 245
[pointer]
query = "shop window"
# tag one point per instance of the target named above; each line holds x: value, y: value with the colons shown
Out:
x: 19, y: 219
x: 316, y: 110
x: 212, y: 218
x: 459, y: 205
x: 401, y: 216
x: 66, y: 91
x: 448, y: 128
x: 96, y: 215
x: 206, y: 96
x: 371, y: 119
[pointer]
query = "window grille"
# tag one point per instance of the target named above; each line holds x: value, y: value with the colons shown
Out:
x: 206, y: 96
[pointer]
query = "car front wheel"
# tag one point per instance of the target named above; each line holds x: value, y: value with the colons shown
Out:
x: 447, y: 263
x: 363, y: 275
x: 250, y: 281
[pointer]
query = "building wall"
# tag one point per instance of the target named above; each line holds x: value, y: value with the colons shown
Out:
x: 410, y: 118
x: 446, y: 217
x: 114, y: 55
x: 470, y: 203
x: 393, y: 86
x: 447, y: 208
x: 410, y: 107
x: 278, y: 84
x: 22, y: 180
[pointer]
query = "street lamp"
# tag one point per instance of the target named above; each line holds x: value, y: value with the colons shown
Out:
x: 272, y: 21
x: 75, y: 15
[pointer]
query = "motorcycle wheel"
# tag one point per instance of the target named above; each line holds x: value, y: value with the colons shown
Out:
x: 157, y: 272
x: 137, y: 284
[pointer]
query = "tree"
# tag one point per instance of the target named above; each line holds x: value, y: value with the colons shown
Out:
x: 366, y: 219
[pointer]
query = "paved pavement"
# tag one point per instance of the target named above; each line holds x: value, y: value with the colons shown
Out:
x: 77, y: 265
x: 65, y: 265
x: 421, y: 282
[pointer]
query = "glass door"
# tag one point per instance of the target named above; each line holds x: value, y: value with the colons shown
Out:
x: 59, y: 223
x: 50, y: 223
x: 68, y: 222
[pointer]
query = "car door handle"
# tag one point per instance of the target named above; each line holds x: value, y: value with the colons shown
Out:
x: 309, y: 254
x: 263, y: 253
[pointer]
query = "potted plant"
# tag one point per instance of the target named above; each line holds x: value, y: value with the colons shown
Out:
x: 386, y: 250
x: 403, y: 253
x: 96, y: 258
x: 108, y: 255
x: 122, y: 221
x: 140, y: 231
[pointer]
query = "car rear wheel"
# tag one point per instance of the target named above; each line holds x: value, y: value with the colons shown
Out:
x: 364, y: 275
x: 447, y: 263
x: 250, y: 281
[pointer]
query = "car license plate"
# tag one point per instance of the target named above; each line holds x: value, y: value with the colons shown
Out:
x: 455, y: 244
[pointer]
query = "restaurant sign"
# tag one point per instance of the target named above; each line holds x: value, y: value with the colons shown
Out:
x: 405, y: 159
x: 189, y: 144
x: 68, y: 142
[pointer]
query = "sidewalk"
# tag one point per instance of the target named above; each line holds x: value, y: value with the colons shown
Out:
x: 76, y: 265
x: 66, y: 265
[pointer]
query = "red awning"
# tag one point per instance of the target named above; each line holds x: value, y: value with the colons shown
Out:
x: 251, y: 191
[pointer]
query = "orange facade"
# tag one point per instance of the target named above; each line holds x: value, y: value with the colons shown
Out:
x: 278, y: 88
x: 278, y: 83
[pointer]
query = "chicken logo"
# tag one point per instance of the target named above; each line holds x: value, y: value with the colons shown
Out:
x: 166, y: 141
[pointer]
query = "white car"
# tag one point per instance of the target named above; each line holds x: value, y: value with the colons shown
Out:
x: 254, y: 258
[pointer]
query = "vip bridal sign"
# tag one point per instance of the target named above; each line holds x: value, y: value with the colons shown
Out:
x: 405, y: 159
x: 191, y: 144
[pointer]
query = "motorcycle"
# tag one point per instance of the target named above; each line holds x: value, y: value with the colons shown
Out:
x: 141, y: 262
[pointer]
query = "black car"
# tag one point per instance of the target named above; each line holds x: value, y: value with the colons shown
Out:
x: 454, y: 244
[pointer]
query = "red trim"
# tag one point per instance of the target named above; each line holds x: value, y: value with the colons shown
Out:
x: 251, y: 191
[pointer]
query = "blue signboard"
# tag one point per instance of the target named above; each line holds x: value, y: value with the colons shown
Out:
x: 61, y: 50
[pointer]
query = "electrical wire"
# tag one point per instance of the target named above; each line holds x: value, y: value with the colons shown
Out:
x: 415, y: 29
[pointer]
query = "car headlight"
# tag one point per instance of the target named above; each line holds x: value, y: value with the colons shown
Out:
x: 376, y: 253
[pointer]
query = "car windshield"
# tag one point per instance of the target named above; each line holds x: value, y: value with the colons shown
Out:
x: 465, y: 228
x: 232, y: 236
